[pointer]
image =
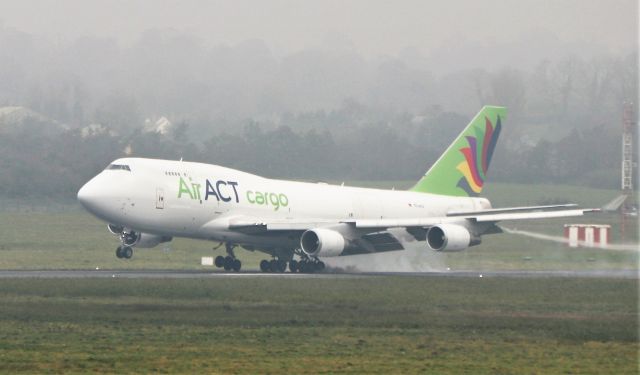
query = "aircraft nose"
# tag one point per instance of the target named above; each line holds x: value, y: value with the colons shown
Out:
x: 86, y: 194
x: 102, y: 197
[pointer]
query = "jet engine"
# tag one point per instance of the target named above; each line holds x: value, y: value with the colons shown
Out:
x: 321, y: 242
x: 144, y: 240
x: 450, y: 237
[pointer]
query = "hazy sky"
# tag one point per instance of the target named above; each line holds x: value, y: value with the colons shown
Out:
x: 374, y: 27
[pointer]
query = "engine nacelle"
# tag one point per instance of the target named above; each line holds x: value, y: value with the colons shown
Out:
x: 450, y: 237
x: 144, y: 240
x: 321, y: 242
x: 147, y: 240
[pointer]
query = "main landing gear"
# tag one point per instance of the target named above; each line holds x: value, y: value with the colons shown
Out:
x: 273, y: 265
x: 304, y: 265
x: 125, y: 252
x: 230, y: 262
x: 310, y: 265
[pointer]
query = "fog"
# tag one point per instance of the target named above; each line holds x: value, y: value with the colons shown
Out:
x: 306, y: 90
x: 274, y: 56
x: 374, y: 28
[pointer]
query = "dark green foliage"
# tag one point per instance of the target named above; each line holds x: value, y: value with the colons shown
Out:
x: 55, y: 164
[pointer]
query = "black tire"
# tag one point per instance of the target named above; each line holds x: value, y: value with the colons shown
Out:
x: 237, y: 264
x: 228, y: 263
x: 282, y: 266
x: 293, y: 266
x: 303, y: 266
x: 311, y: 267
x: 320, y: 266
x: 219, y: 262
x: 119, y: 252
x: 265, y: 266
x: 127, y: 252
x: 273, y: 265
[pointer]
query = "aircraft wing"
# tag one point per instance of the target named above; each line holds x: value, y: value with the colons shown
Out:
x: 378, y: 235
x: 255, y: 225
x: 483, y: 216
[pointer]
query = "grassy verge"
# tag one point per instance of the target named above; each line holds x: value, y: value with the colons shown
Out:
x: 361, y: 325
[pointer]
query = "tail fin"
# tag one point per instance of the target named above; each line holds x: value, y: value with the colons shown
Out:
x: 462, y: 170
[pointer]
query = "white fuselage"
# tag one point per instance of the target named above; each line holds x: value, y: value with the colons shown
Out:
x: 186, y: 199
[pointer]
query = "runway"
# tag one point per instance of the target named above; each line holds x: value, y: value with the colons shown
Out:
x: 199, y: 274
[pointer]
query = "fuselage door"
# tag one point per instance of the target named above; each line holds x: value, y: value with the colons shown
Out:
x: 160, y: 198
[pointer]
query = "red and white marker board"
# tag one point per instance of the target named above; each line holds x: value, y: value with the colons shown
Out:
x: 589, y: 235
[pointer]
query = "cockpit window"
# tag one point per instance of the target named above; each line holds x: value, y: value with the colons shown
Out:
x: 119, y: 166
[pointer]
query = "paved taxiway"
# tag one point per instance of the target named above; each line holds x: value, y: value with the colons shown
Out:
x: 198, y: 274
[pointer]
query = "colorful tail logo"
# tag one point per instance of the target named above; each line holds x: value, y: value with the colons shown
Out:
x: 478, y: 157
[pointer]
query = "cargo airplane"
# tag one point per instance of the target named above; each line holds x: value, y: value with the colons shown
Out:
x: 147, y: 202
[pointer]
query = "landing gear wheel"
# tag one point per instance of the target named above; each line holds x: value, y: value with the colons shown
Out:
x: 228, y: 263
x: 304, y: 267
x: 282, y: 266
x: 219, y: 262
x: 127, y: 252
x: 293, y: 266
x: 265, y: 266
x: 119, y: 252
x: 310, y: 266
x: 236, y: 265
x: 273, y: 265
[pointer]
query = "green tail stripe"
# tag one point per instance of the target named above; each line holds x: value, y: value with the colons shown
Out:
x: 460, y: 171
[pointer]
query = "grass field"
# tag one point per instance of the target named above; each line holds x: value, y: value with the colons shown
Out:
x: 351, y: 325
x: 69, y: 238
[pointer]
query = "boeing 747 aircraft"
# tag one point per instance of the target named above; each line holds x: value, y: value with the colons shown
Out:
x: 147, y: 202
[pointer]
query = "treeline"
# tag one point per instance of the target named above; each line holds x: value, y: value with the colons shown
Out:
x: 39, y: 160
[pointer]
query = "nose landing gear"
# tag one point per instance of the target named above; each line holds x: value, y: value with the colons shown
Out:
x: 125, y: 252
x: 128, y: 239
